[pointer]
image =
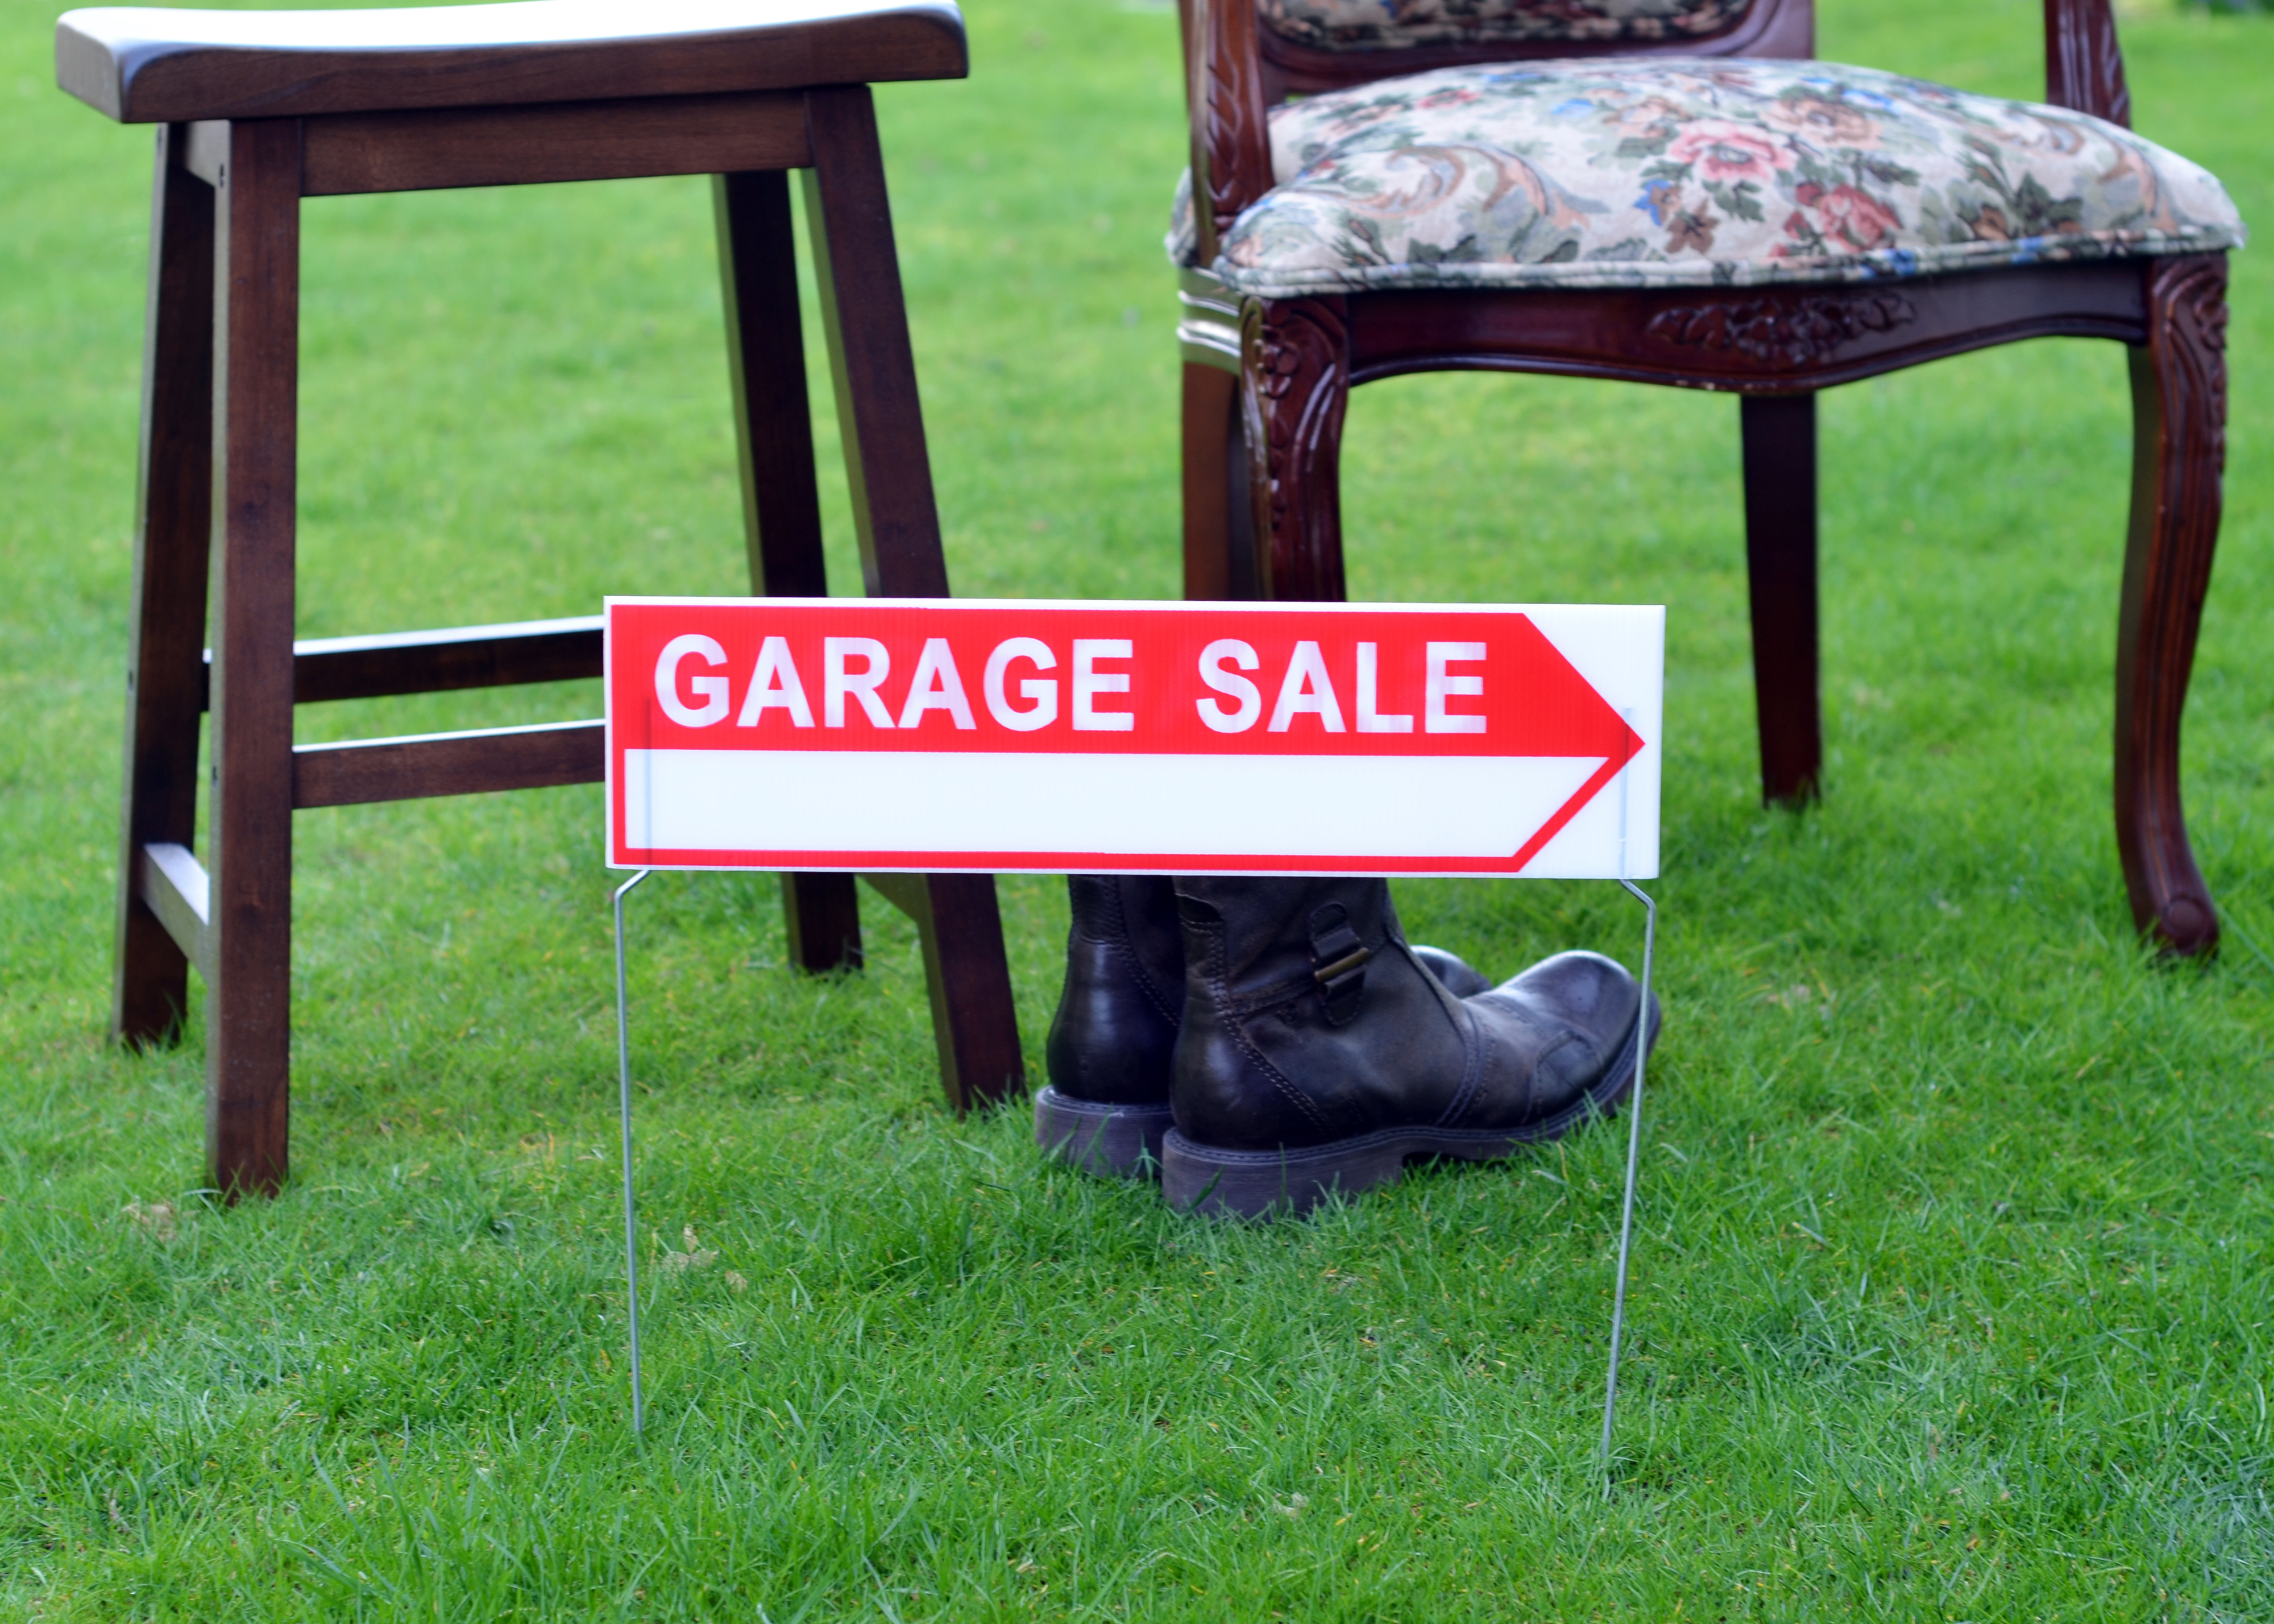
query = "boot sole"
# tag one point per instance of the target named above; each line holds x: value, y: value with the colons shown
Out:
x: 1121, y: 1141
x: 1266, y: 1183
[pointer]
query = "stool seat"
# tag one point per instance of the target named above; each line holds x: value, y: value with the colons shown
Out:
x: 148, y: 65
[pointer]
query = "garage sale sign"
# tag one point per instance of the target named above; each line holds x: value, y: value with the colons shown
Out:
x: 934, y: 735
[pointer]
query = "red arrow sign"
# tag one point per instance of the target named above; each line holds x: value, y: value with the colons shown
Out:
x: 937, y: 735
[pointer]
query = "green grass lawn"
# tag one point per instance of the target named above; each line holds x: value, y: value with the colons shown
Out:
x: 1953, y: 1281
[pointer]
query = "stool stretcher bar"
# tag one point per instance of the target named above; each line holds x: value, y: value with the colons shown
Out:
x: 484, y: 760
x: 436, y: 662
x: 173, y: 882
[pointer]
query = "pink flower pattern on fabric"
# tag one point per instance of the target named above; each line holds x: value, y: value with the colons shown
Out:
x: 1859, y: 221
x: 1723, y: 150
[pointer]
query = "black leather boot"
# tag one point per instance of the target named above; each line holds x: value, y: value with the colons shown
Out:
x: 1317, y: 1054
x: 1106, y: 1106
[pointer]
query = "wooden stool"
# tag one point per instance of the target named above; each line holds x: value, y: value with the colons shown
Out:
x: 259, y: 110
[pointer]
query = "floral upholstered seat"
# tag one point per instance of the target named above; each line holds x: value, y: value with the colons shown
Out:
x: 1661, y: 172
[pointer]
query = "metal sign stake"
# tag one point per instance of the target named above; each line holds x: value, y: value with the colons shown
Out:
x: 686, y: 792
x: 631, y: 1211
x: 1634, y: 1159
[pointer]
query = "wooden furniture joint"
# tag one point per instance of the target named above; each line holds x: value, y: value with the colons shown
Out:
x: 257, y: 111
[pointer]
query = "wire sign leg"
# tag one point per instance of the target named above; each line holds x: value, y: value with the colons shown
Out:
x: 631, y: 1210
x: 1634, y: 1159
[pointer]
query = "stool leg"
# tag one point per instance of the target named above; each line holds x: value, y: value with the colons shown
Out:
x: 873, y: 367
x: 870, y: 361
x: 256, y: 340
x: 1779, y: 436
x: 165, y: 671
x: 781, y: 504
x: 972, y: 1021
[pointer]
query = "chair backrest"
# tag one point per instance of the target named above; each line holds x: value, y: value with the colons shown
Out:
x: 1367, y: 24
x: 1326, y: 44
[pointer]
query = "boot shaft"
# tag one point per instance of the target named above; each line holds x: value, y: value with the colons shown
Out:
x: 1275, y: 941
x: 1307, y: 1017
x: 1136, y: 916
x: 1117, y: 1019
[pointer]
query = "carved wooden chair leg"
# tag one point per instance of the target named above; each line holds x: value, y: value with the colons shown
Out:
x: 1778, y: 435
x: 781, y: 501
x: 1243, y: 564
x: 1219, y: 527
x: 1294, y: 388
x: 2179, y: 413
x: 165, y: 673
x: 256, y: 336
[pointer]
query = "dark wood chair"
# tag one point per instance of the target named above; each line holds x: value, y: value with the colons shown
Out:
x: 257, y: 110
x: 1266, y: 377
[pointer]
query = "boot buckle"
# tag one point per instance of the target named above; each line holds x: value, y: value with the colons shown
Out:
x: 1338, y: 961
